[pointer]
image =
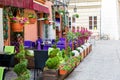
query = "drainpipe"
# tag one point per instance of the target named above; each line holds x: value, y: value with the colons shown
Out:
x: 1, y: 30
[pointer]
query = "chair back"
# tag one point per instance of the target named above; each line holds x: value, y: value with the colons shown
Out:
x: 40, y: 58
x: 28, y: 44
x: 9, y: 49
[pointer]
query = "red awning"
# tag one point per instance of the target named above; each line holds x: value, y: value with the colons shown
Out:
x: 25, y: 4
x: 40, y: 8
x: 18, y: 3
x: 1, y: 2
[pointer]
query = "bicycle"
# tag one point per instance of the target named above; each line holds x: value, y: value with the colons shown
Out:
x: 104, y: 37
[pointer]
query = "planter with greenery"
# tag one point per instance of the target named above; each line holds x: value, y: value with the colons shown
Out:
x: 52, y: 64
x: 64, y: 70
x: 32, y: 18
x: 76, y: 15
x: 16, y: 18
x: 46, y: 21
x: 71, y: 37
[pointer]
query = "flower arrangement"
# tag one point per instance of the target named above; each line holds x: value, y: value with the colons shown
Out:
x: 19, y: 20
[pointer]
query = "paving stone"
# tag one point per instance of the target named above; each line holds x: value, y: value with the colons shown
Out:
x: 103, y: 63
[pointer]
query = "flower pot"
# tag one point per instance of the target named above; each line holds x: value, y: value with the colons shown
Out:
x: 41, y: 1
x: 46, y: 21
x: 32, y: 20
x: 17, y: 27
x: 62, y: 72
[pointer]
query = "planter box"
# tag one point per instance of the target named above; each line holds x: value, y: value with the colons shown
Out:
x: 50, y: 78
x: 82, y: 56
x: 87, y: 51
x: 90, y: 47
x: 51, y: 74
x: 30, y: 61
x: 84, y: 53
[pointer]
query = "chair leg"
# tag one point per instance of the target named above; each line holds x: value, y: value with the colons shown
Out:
x: 4, y: 74
x: 37, y: 72
x: 34, y: 74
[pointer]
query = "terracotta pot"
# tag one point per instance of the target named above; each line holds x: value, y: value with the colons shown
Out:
x: 62, y: 72
x: 41, y: 1
x: 17, y: 27
x: 46, y: 21
x: 32, y: 20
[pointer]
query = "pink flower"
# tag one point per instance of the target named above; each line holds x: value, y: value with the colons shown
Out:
x: 19, y: 20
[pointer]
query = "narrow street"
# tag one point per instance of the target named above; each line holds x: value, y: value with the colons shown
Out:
x: 103, y: 63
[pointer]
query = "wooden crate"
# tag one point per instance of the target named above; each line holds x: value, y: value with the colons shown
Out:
x: 50, y: 78
x: 51, y: 74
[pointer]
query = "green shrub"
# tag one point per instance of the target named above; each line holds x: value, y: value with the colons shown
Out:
x: 52, y: 63
x: 21, y: 68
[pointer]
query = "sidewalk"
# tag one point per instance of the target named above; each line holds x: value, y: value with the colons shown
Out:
x: 103, y: 63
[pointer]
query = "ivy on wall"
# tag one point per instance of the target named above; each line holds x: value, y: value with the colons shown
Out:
x: 5, y: 24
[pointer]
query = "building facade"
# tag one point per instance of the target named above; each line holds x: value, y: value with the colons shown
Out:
x: 99, y: 16
x: 89, y: 12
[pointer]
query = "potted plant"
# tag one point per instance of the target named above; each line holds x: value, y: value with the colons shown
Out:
x: 53, y: 60
x: 21, y: 68
x: 76, y: 15
x: 64, y: 69
x: 32, y: 18
x: 17, y: 23
x: 61, y: 12
x: 52, y: 63
x: 71, y: 37
x: 46, y: 21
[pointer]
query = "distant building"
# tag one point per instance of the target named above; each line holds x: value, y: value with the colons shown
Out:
x: 99, y: 16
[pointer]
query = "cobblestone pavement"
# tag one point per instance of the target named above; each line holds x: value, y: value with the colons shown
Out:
x: 103, y: 63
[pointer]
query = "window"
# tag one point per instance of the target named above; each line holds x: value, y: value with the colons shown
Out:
x: 95, y: 22
x: 92, y: 22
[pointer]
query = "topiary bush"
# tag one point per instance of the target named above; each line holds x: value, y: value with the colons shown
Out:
x: 21, y: 68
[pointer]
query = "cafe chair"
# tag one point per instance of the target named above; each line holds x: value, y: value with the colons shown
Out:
x: 7, y: 57
x: 40, y: 58
x: 2, y: 73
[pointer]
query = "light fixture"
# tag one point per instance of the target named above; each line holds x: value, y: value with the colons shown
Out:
x: 75, y: 9
x: 67, y: 13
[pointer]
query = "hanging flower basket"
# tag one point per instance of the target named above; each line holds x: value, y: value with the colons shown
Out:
x: 32, y: 20
x: 17, y: 27
x: 46, y: 21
